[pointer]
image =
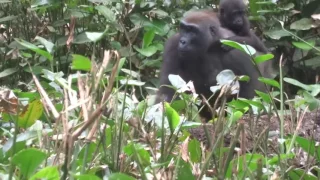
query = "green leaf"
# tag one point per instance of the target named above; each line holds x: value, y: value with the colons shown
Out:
x: 302, y: 24
x: 118, y: 176
x: 106, y: 12
x: 176, y: 81
x: 270, y: 82
x: 8, y: 72
x: 277, y: 34
x: 50, y: 172
x: 8, y: 18
x: 173, y: 117
x: 132, y: 82
x: 314, y: 89
x: 309, y: 146
x: 296, y: 174
x: 276, y: 160
x: 47, y: 44
x: 178, y: 105
x: 87, y: 37
x: 30, y: 113
x: 253, y: 103
x: 313, y: 102
x: 194, y: 151
x: 80, y: 62
x: 148, y: 38
x: 304, y: 46
x: 28, y: 160
x: 265, y: 97
x: 235, y: 116
x: 245, y: 48
x: 263, y: 58
x: 148, y: 51
x: 252, y: 161
x: 87, y: 177
x: 34, y: 48
x: 184, y: 170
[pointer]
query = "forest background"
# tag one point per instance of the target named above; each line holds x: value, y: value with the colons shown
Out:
x: 78, y: 78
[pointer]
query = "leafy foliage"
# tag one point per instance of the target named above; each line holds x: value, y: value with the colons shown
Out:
x: 79, y: 79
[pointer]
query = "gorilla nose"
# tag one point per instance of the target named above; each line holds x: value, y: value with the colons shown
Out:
x: 238, y: 21
x: 182, y: 42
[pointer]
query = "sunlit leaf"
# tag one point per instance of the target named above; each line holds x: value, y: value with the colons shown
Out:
x: 80, y: 62
x: 270, y: 82
x: 173, y: 117
x: 28, y: 161
x: 263, y: 58
x: 34, y: 48
x: 148, y: 38
x: 245, y: 48
x: 47, y: 44
x: 50, y: 172
x: 30, y: 114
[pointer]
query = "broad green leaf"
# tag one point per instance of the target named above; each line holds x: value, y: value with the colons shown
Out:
x: 137, y: 149
x: 148, y: 38
x: 178, y: 105
x: 287, y: 7
x: 50, y: 172
x: 28, y: 160
x: 245, y: 48
x: 80, y: 62
x: 304, y: 46
x: 47, y: 44
x: 263, y: 58
x: 8, y: 72
x: 309, y: 146
x: 132, y: 82
x: 265, y: 97
x: 8, y: 18
x: 194, y: 150
x: 302, y: 24
x: 118, y: 176
x: 35, y: 69
x: 184, y: 170
x: 239, y: 163
x: 312, y: 101
x: 297, y: 173
x: 277, y: 34
x: 235, y: 116
x: 270, y: 82
x: 34, y: 48
x: 173, y: 117
x: 106, y: 12
x: 88, y: 37
x: 176, y: 81
x: 253, y: 103
x: 275, y: 159
x: 87, y: 177
x: 30, y: 113
x: 130, y: 72
x: 148, y: 51
x: 297, y: 83
x: 190, y: 124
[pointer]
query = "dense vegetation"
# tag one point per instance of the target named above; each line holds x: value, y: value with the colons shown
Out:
x: 78, y: 78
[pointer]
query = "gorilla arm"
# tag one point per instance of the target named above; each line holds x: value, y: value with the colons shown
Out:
x: 170, y: 65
